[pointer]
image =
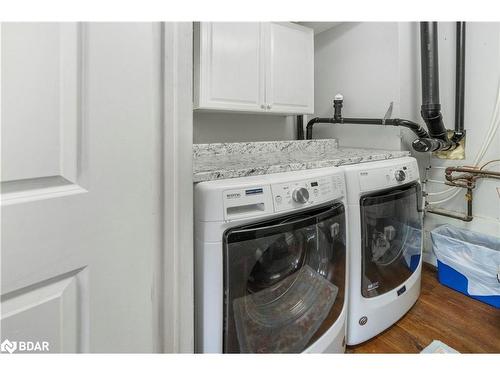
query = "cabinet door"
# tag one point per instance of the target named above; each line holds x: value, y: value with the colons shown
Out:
x: 229, y: 73
x: 289, y: 68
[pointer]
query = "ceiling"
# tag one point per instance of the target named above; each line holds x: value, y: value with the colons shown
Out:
x: 319, y: 27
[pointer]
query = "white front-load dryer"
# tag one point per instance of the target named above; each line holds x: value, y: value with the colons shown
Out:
x: 271, y: 263
x: 385, y: 244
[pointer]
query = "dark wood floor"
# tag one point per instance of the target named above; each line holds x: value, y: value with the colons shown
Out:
x: 467, y: 325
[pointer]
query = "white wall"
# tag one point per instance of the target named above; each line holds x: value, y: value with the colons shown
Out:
x: 482, y: 79
x: 360, y: 61
x: 238, y: 127
x: 375, y: 63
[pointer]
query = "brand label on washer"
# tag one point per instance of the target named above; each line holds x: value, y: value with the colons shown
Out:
x: 402, y: 290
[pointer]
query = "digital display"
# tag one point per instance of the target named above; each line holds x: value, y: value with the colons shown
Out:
x: 313, y: 184
x: 254, y: 191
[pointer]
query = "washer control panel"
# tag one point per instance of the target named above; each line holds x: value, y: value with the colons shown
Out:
x: 302, y: 193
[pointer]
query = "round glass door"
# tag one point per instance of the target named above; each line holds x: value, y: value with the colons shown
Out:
x: 284, y: 281
x: 391, y: 226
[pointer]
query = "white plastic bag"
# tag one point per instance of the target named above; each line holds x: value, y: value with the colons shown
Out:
x: 475, y: 255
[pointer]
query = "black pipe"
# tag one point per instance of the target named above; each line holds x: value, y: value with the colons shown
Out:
x: 337, y: 107
x: 317, y: 120
x: 431, y: 108
x: 416, y: 128
x: 437, y: 136
x: 460, y: 82
x: 300, y: 127
x: 429, y: 60
x: 460, y: 77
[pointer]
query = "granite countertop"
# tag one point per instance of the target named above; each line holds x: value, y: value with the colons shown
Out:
x: 217, y: 161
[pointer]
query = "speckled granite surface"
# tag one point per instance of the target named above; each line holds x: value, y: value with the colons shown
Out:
x: 220, y: 149
x: 229, y: 160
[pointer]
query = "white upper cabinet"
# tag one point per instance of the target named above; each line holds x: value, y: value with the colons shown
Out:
x: 254, y: 67
x: 229, y: 66
x: 289, y: 68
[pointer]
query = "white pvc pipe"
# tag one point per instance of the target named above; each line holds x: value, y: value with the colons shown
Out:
x: 436, y: 181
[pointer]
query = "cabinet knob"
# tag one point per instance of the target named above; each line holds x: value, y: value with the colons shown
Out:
x: 262, y: 106
x: 269, y: 106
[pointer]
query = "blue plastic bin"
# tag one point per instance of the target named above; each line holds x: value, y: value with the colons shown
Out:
x: 468, y: 262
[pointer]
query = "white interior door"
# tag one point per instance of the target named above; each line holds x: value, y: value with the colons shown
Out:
x: 81, y: 167
x: 290, y: 68
x: 231, y: 63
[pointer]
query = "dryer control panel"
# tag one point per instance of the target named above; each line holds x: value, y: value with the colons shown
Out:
x: 379, y: 178
x: 303, y: 193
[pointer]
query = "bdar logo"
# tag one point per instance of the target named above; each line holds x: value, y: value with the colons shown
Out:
x: 24, y: 346
x: 8, y: 346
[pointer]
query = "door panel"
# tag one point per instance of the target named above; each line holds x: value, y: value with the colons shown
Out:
x: 39, y: 100
x: 290, y: 71
x: 51, y: 313
x: 231, y: 62
x: 80, y: 192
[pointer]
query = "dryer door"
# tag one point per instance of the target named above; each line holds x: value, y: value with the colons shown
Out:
x: 284, y: 281
x: 391, y: 236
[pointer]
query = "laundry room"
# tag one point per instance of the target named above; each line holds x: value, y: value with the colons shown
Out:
x: 251, y: 186
x: 379, y: 127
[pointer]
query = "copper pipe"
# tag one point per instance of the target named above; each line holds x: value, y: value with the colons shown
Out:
x: 466, y: 180
x: 491, y: 174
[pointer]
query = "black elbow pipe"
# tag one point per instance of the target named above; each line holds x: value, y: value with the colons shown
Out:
x: 431, y: 108
x: 338, y: 119
x: 416, y: 128
x: 317, y: 120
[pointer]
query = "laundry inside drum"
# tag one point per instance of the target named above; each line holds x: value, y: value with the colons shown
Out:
x: 283, y: 319
x: 282, y: 258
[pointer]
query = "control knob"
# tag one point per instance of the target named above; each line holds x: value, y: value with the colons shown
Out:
x: 400, y: 175
x: 300, y: 195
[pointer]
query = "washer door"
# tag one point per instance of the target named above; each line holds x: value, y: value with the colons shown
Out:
x: 284, y: 281
x: 391, y: 235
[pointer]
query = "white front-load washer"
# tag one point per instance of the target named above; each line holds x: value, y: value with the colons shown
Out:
x: 385, y: 244
x: 271, y: 263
